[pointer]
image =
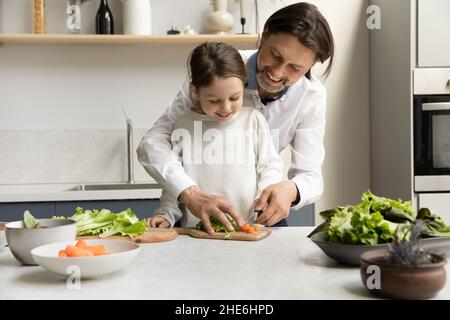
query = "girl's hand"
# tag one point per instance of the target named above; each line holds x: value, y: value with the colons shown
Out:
x: 275, y: 202
x: 203, y: 205
x: 158, y: 222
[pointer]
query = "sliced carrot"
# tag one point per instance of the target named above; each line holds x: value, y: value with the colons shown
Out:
x: 77, y: 252
x: 70, y: 250
x: 97, y: 250
x: 81, y: 249
x: 62, y: 253
x: 87, y: 253
x: 81, y: 243
x: 246, y: 227
x: 73, y: 251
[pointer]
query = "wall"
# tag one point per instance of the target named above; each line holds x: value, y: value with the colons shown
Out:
x: 391, y: 99
x: 346, y: 168
x: 16, y: 15
x: 76, y: 93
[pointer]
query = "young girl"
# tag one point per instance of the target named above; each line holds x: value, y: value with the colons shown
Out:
x: 227, y: 149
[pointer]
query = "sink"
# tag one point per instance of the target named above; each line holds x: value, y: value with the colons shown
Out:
x: 114, y: 186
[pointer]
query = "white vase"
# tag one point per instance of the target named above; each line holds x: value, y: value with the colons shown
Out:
x: 137, y: 18
x: 220, y: 21
x: 220, y: 5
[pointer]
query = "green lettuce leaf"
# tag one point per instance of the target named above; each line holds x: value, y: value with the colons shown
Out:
x: 364, y: 223
x: 125, y: 229
x: 398, y: 211
x: 218, y: 226
x: 29, y: 221
x: 105, y: 223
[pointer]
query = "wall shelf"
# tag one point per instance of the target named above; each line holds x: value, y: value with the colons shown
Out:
x: 248, y: 40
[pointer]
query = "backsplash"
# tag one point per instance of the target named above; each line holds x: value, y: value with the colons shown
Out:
x: 67, y: 156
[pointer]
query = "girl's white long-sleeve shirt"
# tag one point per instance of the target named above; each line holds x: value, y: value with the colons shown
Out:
x: 236, y: 159
x: 297, y: 119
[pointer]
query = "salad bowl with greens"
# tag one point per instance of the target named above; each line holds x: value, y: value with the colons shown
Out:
x: 349, y: 231
x: 24, y: 235
x: 29, y: 233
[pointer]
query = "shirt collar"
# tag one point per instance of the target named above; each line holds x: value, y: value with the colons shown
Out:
x: 251, y: 72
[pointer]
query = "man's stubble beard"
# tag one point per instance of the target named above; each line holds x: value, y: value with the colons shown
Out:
x: 266, y: 87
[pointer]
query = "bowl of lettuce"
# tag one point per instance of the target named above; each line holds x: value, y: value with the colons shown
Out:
x: 351, y: 230
x: 2, y: 237
x: 24, y: 235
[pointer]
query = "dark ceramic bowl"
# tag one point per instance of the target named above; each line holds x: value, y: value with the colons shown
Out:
x: 385, y: 279
x: 351, y: 253
x: 342, y: 253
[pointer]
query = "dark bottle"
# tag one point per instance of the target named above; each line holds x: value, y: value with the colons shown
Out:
x: 104, y: 23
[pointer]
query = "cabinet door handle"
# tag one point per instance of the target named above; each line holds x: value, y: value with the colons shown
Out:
x: 448, y: 83
x: 436, y: 106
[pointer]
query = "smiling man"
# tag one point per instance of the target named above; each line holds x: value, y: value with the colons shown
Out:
x: 282, y: 60
x: 280, y: 85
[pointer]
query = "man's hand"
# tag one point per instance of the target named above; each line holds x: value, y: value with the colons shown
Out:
x: 275, y: 202
x: 203, y: 205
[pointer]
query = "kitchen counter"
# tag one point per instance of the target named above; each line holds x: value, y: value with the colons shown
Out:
x: 286, y: 265
x: 69, y: 192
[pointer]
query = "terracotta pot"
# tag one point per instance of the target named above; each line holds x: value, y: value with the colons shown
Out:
x: 402, y: 282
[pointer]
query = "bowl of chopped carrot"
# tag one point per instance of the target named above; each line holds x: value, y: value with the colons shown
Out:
x: 86, y: 258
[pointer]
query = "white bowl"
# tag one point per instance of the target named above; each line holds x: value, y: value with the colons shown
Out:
x: 121, y: 255
x: 21, y: 240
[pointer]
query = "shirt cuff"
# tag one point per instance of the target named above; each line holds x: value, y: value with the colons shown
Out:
x: 177, y: 183
x: 298, y: 197
x: 306, y: 190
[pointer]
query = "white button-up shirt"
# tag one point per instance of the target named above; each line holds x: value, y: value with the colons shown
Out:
x: 296, y: 119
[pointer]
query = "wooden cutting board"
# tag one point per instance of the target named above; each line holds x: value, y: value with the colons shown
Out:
x: 236, y: 235
x: 150, y: 236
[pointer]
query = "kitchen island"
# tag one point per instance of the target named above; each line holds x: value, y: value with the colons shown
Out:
x: 286, y: 265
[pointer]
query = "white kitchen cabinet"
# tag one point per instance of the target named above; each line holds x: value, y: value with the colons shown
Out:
x: 433, y: 26
x: 438, y: 203
x: 431, y: 81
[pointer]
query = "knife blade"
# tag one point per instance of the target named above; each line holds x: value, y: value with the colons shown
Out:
x: 251, y: 219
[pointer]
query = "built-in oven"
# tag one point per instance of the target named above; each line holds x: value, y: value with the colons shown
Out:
x: 431, y: 127
x: 432, y: 142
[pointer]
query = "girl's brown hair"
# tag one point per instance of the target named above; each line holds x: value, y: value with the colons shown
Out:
x: 215, y: 59
x: 304, y: 21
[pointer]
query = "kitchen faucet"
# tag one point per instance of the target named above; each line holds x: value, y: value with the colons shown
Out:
x: 129, y: 148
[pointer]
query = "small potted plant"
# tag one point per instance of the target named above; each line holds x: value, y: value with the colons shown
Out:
x: 405, y: 270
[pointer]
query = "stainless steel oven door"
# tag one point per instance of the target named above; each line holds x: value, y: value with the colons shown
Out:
x: 432, y: 143
x: 440, y: 133
x: 431, y: 128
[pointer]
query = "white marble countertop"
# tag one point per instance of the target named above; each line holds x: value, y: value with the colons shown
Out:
x: 286, y: 265
x: 63, y: 192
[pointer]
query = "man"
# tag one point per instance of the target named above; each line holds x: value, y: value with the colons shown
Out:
x: 293, y: 101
